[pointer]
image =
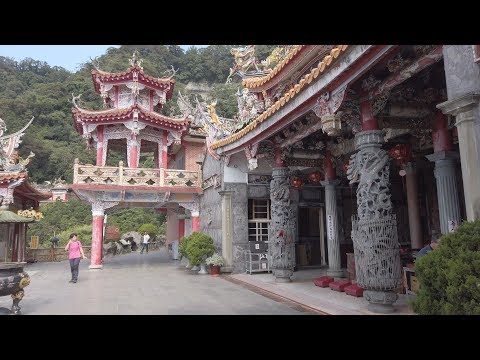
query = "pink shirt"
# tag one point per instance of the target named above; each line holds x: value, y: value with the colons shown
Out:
x: 74, y: 250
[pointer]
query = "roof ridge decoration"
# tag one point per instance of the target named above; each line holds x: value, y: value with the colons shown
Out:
x: 10, y: 160
x: 304, y: 81
x: 290, y: 53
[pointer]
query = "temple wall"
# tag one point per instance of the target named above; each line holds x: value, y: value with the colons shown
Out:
x: 210, y: 202
x: 461, y: 72
x: 193, y: 153
x: 240, y: 224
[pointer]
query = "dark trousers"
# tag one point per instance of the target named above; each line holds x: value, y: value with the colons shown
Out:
x: 144, y: 246
x: 74, y: 267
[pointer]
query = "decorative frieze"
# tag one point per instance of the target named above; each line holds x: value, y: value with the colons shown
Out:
x: 213, y: 180
x: 259, y: 179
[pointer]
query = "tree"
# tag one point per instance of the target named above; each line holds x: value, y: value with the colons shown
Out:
x: 449, y: 277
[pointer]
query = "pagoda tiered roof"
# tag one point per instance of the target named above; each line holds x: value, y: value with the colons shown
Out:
x: 103, y: 77
x: 116, y: 115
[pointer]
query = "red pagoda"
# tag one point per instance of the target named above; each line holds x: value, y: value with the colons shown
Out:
x: 132, y: 123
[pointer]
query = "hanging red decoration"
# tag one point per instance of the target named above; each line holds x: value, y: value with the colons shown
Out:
x: 315, y: 177
x: 297, y: 182
x: 401, y: 153
x: 345, y: 166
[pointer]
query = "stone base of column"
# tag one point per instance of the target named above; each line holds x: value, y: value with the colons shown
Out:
x: 95, y: 267
x: 335, y: 273
x: 283, y: 276
x: 226, y: 269
x: 380, y: 301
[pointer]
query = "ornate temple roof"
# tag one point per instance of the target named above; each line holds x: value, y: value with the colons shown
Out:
x: 25, y: 187
x: 260, y: 80
x: 8, y: 177
x: 135, y: 72
x: 81, y: 116
x: 304, y: 82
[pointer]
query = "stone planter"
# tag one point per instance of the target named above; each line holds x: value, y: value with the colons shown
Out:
x: 12, y: 281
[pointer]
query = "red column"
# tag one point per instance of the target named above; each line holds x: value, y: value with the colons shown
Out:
x: 100, y: 148
x: 278, y: 158
x: 368, y: 120
x: 133, y: 151
x: 181, y: 229
x: 97, y: 239
x: 164, y: 150
x: 441, y: 136
x: 329, y: 169
x: 195, y: 222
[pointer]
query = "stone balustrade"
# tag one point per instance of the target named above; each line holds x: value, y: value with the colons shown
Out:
x: 123, y: 176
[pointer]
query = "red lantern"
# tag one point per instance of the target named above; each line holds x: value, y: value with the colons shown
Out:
x: 401, y: 153
x: 315, y: 177
x: 297, y: 182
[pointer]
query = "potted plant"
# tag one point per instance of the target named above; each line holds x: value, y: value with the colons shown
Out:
x: 182, y: 250
x: 199, y: 247
x: 215, y: 261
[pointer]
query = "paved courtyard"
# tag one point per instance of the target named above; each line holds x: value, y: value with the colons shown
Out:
x: 139, y: 284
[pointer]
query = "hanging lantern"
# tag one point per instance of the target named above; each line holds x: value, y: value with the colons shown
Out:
x: 297, y: 182
x: 331, y: 125
x: 315, y: 177
x: 401, y: 153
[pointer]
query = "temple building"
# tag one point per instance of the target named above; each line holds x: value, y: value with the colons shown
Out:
x: 341, y: 149
x: 131, y: 124
x: 19, y: 199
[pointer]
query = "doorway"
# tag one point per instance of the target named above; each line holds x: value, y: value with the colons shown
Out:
x: 311, y: 251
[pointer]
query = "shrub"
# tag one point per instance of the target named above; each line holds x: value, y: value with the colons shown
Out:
x: 449, y: 276
x: 199, y: 247
x: 84, y: 233
x: 182, y: 247
x: 150, y: 229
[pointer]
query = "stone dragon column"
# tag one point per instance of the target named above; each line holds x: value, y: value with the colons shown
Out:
x: 374, y: 230
x: 281, y: 234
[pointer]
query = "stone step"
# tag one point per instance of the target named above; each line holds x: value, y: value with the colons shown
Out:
x: 323, y: 281
x: 354, y: 290
x: 339, y: 285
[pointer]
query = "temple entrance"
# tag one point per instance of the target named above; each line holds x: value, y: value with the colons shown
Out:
x: 311, y: 247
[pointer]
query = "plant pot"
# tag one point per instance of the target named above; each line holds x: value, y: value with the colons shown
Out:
x: 215, y: 270
x: 195, y: 268
x: 12, y: 281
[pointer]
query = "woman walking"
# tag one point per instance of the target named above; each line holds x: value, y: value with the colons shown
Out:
x: 75, y: 252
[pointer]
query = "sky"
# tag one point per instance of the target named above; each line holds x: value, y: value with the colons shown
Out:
x: 68, y: 56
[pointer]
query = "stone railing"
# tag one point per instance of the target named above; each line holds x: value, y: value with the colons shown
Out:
x: 109, y: 175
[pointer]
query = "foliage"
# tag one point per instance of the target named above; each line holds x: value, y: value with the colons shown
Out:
x: 150, y: 229
x: 182, y: 247
x: 33, y: 88
x: 60, y: 216
x: 199, y: 247
x: 84, y: 234
x: 449, y: 276
x: 129, y: 219
x: 215, y: 259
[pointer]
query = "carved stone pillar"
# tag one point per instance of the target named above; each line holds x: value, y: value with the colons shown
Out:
x: 334, y: 262
x: 374, y: 231
x: 413, y: 207
x: 281, y: 234
x: 447, y: 190
x: 465, y: 109
x: 227, y: 229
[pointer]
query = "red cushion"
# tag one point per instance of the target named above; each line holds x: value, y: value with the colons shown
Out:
x: 323, y: 281
x: 354, y: 290
x: 339, y: 285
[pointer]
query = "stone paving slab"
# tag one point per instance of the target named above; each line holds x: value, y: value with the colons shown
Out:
x: 137, y: 283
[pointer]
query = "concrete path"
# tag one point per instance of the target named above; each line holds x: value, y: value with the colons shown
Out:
x: 139, y: 284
